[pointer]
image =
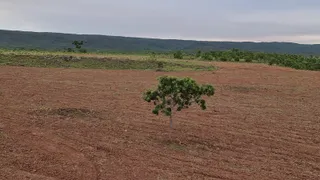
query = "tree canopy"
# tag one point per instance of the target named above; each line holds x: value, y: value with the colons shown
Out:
x: 175, y: 94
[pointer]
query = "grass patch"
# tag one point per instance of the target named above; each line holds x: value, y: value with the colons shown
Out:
x: 175, y: 145
x: 90, y: 61
x: 66, y: 112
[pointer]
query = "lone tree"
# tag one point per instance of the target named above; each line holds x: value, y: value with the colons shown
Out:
x: 78, y: 44
x: 175, y: 94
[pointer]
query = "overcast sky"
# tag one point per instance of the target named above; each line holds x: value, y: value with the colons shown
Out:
x: 231, y: 20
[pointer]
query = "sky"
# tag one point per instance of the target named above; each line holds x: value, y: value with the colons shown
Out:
x: 210, y: 20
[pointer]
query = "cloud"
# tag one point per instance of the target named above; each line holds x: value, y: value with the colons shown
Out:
x: 241, y: 20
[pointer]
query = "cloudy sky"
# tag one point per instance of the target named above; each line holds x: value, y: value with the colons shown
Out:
x: 230, y: 20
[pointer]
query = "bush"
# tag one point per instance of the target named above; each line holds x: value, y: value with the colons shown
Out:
x: 178, y: 55
x: 223, y: 59
x: 207, y: 56
x: 70, y: 50
x: 160, y: 66
x: 272, y: 61
x: 83, y: 51
x: 198, y: 54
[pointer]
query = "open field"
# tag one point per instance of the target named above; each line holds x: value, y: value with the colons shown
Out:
x: 56, y: 123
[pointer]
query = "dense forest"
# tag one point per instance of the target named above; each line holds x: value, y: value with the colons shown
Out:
x: 59, y: 41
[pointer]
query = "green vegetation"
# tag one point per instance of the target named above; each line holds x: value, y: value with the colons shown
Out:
x: 175, y: 94
x: 287, y: 60
x: 198, y: 54
x: 93, y: 61
x: 152, y: 61
x: 98, y: 43
x: 78, y: 45
x: 51, y: 49
x: 178, y: 55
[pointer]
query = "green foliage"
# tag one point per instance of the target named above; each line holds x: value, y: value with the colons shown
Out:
x: 66, y: 60
x: 83, y: 51
x: 78, y: 44
x: 223, y: 58
x: 152, y: 57
x: 70, y: 50
x: 198, y: 54
x: 178, y: 55
x: 175, y: 94
x: 248, y: 60
x: 207, y: 56
x: 287, y: 60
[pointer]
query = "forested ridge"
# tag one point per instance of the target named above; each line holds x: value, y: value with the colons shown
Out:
x: 60, y: 41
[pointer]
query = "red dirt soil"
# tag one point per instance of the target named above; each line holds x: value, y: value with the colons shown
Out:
x: 263, y: 123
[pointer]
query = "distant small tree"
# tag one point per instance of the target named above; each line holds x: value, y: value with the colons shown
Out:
x: 178, y: 55
x: 175, y: 94
x: 198, y: 54
x: 78, y: 45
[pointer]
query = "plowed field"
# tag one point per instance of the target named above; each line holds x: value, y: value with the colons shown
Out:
x: 262, y: 124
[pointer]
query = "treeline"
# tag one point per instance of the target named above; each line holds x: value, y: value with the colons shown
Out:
x: 98, y: 43
x: 287, y: 60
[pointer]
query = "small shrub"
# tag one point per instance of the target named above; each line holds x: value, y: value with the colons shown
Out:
x: 272, y: 61
x: 70, y: 50
x: 160, y: 66
x: 223, y: 59
x: 207, y: 56
x: 178, y: 55
x: 67, y: 58
x: 83, y: 51
x: 198, y: 54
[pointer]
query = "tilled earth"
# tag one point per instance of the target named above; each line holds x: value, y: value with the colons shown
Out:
x: 263, y: 123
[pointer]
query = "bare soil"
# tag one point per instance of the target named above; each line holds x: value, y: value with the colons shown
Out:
x: 263, y: 123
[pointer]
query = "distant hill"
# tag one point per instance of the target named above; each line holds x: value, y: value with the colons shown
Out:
x: 59, y: 41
